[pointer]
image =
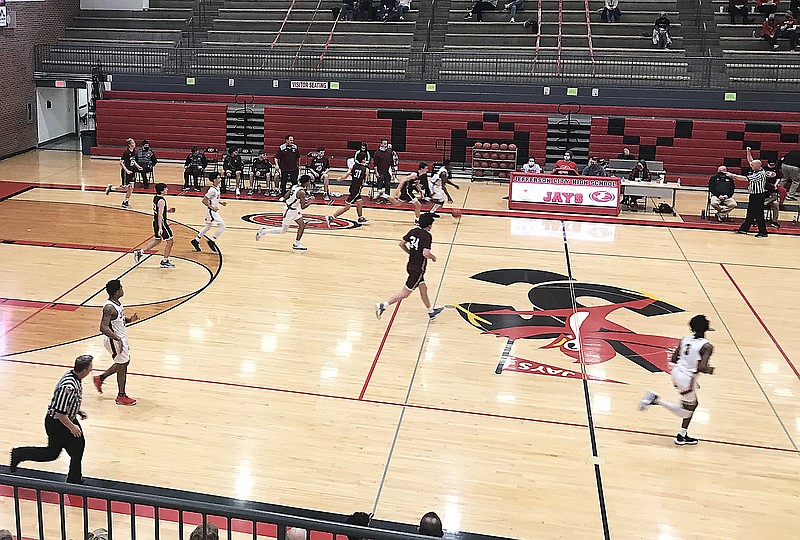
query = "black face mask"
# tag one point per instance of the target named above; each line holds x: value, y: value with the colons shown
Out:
x: 145, y: 148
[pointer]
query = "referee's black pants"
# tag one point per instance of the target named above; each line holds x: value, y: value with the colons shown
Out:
x: 59, y: 438
x: 755, y: 212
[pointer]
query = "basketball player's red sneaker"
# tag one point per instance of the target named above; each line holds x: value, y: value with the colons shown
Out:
x: 125, y: 400
x: 98, y: 383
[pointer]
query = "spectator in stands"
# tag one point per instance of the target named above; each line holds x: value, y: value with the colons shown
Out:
x: 296, y: 533
x: 661, y: 37
x: 98, y: 534
x: 403, y: 7
x: 211, y: 533
x: 479, y: 7
x: 361, y: 519
x: 790, y: 170
x: 287, y: 163
x: 769, y: 31
x: 346, y: 10
x: 5, y: 534
x: 720, y: 189
x: 388, y: 9
x: 233, y: 166
x: 262, y: 172
x: 788, y: 29
x: 610, y: 11
x: 767, y: 7
x: 639, y: 173
x: 594, y: 168
x: 531, y: 166
x: 566, y: 165
x: 147, y: 160
x: 363, y: 150
x: 514, y: 6
x: 383, y: 166
x: 738, y: 7
x: 193, y: 167
x: 431, y: 525
x: 363, y: 10
x: 626, y: 154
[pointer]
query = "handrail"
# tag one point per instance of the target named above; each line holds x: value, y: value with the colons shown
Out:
x: 431, y: 22
x: 308, y: 30
x: 280, y: 30
x: 158, y: 502
x: 589, y: 34
x: 560, y: 20
x: 328, y: 42
x: 538, y: 34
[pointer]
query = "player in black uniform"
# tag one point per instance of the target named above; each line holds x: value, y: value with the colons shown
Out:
x: 262, y: 170
x: 358, y: 173
x: 417, y: 243
x: 319, y: 170
x: 161, y: 230
x: 127, y: 173
x: 233, y: 167
x: 409, y: 188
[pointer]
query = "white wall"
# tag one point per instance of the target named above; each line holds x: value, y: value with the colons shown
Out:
x: 115, y: 4
x: 59, y: 119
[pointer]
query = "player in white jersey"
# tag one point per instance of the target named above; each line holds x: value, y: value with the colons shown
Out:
x: 212, y: 203
x: 112, y: 325
x: 438, y: 186
x: 297, y: 199
x: 689, y: 358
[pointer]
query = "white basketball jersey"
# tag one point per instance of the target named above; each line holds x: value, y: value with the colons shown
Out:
x: 689, y: 353
x: 118, y: 323
x: 436, y: 184
x: 292, y: 202
x: 213, y: 196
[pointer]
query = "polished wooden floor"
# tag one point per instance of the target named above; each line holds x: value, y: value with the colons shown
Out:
x: 262, y: 373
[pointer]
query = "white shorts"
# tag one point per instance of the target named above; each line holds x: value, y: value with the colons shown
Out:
x: 685, y: 383
x: 118, y: 356
x: 437, y: 195
x: 290, y: 216
x: 213, y: 217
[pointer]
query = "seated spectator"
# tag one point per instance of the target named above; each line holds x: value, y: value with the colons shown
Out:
x: 626, y: 154
x: 5, y: 534
x: 566, y: 165
x: 212, y: 532
x: 594, y: 168
x: 769, y: 31
x: 363, y: 10
x: 232, y: 167
x: 296, y: 533
x: 431, y: 525
x: 767, y: 7
x: 788, y: 29
x: 661, y: 37
x: 403, y: 6
x: 347, y: 10
x: 193, y: 167
x: 776, y: 195
x: 514, y: 6
x: 319, y: 168
x: 479, y: 7
x: 790, y: 172
x: 262, y: 172
x: 639, y: 173
x: 388, y: 9
x: 147, y: 160
x: 363, y: 150
x: 738, y: 7
x: 361, y: 519
x: 531, y: 166
x: 610, y: 11
x: 720, y: 188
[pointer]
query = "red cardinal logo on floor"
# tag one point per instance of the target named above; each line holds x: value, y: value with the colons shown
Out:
x: 581, y: 332
x: 312, y: 221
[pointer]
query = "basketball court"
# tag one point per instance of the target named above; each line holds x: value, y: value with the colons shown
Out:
x: 263, y: 374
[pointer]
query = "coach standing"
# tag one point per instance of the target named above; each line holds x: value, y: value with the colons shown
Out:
x: 61, y: 424
x: 757, y: 189
x: 287, y: 161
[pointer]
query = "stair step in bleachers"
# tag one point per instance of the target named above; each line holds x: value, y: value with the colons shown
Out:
x: 311, y: 38
x: 301, y: 15
x: 131, y: 23
x: 359, y: 27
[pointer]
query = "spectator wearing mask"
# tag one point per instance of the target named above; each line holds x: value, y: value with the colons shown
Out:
x: 626, y: 154
x: 147, y: 160
x: 566, y: 165
x: 738, y: 7
x: 721, y: 188
x: 388, y: 9
x: 767, y: 7
x: 769, y: 31
x: 363, y: 150
x: 790, y: 169
x: 193, y: 167
x: 639, y: 173
x: 514, y: 6
x: 383, y: 166
x: 788, y: 29
x: 661, y: 37
x: 594, y: 168
x: 479, y: 7
x: 431, y: 525
x: 232, y: 167
x: 262, y: 172
x: 531, y: 166
x: 403, y: 6
x: 610, y: 11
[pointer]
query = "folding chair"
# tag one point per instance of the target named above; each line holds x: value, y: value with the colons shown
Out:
x: 212, y: 162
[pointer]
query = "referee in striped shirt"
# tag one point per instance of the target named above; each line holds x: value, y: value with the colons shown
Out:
x: 61, y: 424
x: 757, y: 189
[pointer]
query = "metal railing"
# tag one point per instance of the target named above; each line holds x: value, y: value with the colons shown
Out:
x: 153, y: 516
x: 423, y: 66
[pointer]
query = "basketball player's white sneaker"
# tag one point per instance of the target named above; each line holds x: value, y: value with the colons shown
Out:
x: 432, y: 314
x: 137, y: 255
x: 299, y: 247
x: 109, y: 188
x: 379, y: 309
x: 238, y: 191
x: 260, y: 233
x: 166, y: 264
x: 328, y: 221
x: 648, y: 399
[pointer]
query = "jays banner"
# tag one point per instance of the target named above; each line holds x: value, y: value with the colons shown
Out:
x: 581, y: 331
